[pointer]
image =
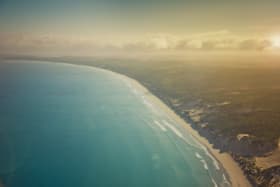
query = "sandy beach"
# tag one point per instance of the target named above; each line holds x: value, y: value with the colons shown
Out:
x: 237, y: 178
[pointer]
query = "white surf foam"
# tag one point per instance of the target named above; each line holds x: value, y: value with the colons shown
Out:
x: 201, y: 160
x: 198, y: 155
x: 146, y: 102
x: 215, y: 163
x: 171, y: 127
x: 160, y: 125
x: 149, y: 123
x: 196, y: 144
x: 204, y: 164
x: 188, y: 138
x: 135, y: 91
x: 214, y: 182
x: 149, y: 104
x: 225, y: 179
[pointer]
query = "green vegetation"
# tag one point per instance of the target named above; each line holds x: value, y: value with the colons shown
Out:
x: 235, y: 99
x: 225, y: 98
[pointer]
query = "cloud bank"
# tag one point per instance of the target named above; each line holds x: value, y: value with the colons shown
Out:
x: 67, y: 45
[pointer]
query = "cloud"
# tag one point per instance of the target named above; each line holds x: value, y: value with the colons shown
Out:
x: 210, y: 41
x: 252, y: 44
x: 220, y: 40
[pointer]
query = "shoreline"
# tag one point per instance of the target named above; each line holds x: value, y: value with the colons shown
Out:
x: 236, y: 176
x: 231, y: 167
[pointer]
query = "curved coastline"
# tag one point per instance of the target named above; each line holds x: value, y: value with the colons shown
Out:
x: 236, y: 176
x: 231, y: 168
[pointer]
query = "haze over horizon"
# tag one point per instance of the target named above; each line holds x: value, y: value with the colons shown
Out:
x: 95, y: 27
x: 140, y: 93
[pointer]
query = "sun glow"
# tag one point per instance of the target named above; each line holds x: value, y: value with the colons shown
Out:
x: 275, y: 41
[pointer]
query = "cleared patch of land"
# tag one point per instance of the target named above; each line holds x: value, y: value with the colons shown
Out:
x: 233, y: 102
x: 226, y: 99
x: 270, y: 160
x: 222, y: 97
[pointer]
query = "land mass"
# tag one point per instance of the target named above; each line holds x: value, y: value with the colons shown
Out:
x: 235, y: 105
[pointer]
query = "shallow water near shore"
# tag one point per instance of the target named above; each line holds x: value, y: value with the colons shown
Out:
x: 66, y: 125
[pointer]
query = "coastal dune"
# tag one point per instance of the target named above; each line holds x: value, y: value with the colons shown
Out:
x: 237, y: 178
x: 236, y: 175
x: 234, y: 172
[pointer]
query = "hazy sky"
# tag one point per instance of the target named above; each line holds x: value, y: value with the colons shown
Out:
x: 139, y: 25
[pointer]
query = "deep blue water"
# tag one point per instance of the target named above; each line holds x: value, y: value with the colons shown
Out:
x: 74, y: 126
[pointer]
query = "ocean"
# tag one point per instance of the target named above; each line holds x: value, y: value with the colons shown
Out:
x: 78, y: 126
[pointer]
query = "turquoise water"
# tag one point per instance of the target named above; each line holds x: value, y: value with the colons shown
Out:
x: 64, y: 125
